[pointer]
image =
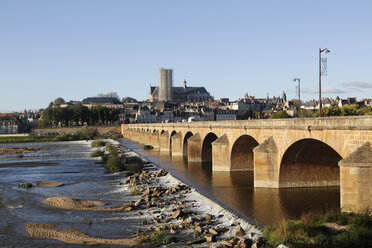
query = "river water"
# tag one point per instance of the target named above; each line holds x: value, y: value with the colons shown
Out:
x: 83, y: 179
x: 235, y: 190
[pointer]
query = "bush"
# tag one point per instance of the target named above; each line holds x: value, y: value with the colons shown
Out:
x: 97, y: 153
x: 87, y: 133
x: 161, y: 239
x: 114, y: 162
x: 148, y: 147
x: 98, y: 143
x: 134, y: 165
x: 26, y: 185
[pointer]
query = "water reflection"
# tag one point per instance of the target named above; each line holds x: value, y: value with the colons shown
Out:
x: 235, y: 189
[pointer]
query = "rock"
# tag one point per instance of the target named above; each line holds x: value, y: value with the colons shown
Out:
x: 180, y: 226
x: 208, y: 217
x: 157, y: 229
x: 198, y: 229
x: 196, y: 241
x: 210, y: 238
x: 177, y: 213
x: 223, y: 229
x: 282, y: 246
x: 137, y: 203
x: 150, y: 229
x: 172, y: 231
x: 212, y: 231
x: 239, y: 231
x: 227, y: 243
x: 234, y: 241
x: 147, y: 191
x: 128, y: 209
x: 245, y: 243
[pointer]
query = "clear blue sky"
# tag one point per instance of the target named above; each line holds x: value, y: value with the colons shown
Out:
x: 79, y: 48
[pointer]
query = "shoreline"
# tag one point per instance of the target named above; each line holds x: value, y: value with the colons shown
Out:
x: 174, y: 213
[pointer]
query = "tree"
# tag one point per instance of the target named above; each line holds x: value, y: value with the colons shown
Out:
x: 110, y: 94
x: 59, y: 101
x: 281, y: 114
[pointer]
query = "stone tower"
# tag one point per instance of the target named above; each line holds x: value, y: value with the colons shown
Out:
x: 165, y: 84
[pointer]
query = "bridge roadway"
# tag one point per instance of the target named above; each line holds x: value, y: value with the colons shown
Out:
x: 306, y: 152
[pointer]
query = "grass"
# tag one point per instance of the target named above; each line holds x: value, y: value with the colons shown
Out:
x: 135, y: 191
x: 310, y: 230
x: 97, y: 153
x: 134, y: 165
x: 114, y: 162
x: 98, y: 143
x: 26, y: 185
x: 161, y: 238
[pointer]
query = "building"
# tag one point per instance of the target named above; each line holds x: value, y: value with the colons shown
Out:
x: 179, y: 94
x: 111, y: 102
x: 165, y: 84
x: 8, y: 124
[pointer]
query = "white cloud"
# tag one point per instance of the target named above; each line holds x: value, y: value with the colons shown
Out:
x: 326, y: 89
x: 355, y: 84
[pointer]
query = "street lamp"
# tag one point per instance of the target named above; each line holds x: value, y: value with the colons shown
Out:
x: 320, y: 78
x: 299, y: 98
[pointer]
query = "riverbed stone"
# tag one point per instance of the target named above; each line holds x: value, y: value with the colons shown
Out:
x: 239, y: 231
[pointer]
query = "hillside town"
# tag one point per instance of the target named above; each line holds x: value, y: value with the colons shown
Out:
x: 166, y: 103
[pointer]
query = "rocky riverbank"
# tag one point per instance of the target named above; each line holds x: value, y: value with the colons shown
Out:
x: 174, y: 214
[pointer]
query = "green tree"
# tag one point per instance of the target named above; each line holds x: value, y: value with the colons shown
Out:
x: 281, y: 114
x: 59, y: 101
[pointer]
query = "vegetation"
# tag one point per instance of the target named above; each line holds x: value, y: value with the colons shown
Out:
x: 85, y: 133
x: 25, y: 139
x: 97, y: 153
x: 148, y: 147
x: 114, y: 162
x: 26, y: 185
x: 98, y: 143
x: 280, y: 114
x: 161, y: 238
x: 134, y: 165
x: 78, y: 115
x: 355, y: 231
x: 135, y: 191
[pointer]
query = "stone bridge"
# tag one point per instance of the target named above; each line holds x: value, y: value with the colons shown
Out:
x: 307, y: 152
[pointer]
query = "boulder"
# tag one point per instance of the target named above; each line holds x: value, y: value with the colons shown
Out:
x: 239, y: 231
x: 177, y: 213
x: 210, y: 238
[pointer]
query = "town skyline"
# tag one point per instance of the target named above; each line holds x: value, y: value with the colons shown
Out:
x: 75, y: 49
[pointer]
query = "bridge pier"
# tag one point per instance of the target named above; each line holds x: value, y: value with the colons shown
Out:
x: 155, y: 139
x: 194, y: 148
x: 355, y: 180
x: 220, y: 154
x: 164, y: 142
x: 177, y: 144
x: 266, y: 164
x: 147, y: 138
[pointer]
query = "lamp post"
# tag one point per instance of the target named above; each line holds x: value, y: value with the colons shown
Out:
x: 299, y: 98
x: 320, y: 78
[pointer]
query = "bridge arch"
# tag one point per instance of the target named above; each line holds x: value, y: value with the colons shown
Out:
x: 185, y: 142
x: 242, y: 153
x: 309, y: 163
x: 162, y: 131
x: 207, y: 147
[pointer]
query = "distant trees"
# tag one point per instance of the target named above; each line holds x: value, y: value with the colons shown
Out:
x: 281, y: 114
x: 78, y: 115
x: 333, y: 110
x: 59, y: 101
x: 110, y: 94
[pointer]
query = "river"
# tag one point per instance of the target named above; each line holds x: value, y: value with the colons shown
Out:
x: 83, y: 179
x: 235, y: 190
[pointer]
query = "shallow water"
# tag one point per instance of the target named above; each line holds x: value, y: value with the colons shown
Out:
x: 235, y: 190
x: 82, y: 178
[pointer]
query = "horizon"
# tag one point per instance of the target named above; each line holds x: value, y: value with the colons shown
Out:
x: 79, y: 49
